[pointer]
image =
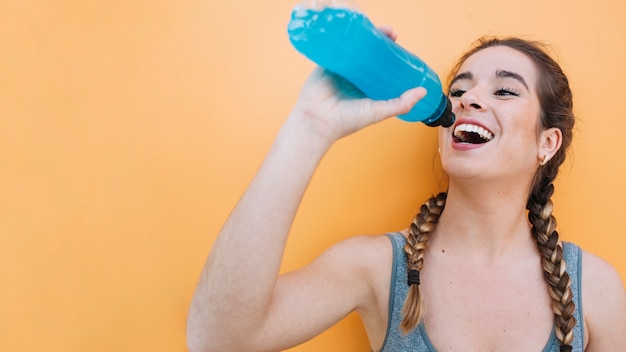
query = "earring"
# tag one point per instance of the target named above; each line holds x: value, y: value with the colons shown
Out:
x: 544, y: 161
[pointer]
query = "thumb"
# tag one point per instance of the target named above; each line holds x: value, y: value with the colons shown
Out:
x: 403, y: 104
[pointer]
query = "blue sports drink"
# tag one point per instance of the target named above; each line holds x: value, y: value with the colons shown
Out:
x: 345, y: 42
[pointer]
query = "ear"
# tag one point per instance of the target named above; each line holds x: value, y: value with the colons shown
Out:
x: 549, y: 143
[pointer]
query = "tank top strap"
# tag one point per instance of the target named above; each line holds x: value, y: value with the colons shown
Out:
x: 395, y: 340
x: 572, y: 255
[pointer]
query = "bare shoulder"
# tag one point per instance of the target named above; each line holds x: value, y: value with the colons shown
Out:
x: 373, y: 255
x: 600, y: 279
x: 359, y: 264
x: 604, y: 304
x: 363, y: 251
x: 367, y: 260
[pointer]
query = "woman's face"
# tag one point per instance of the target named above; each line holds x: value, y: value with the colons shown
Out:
x: 494, y: 98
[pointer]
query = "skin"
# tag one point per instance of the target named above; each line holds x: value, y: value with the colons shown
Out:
x: 480, y: 255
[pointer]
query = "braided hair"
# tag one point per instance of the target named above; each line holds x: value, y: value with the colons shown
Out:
x: 555, y: 98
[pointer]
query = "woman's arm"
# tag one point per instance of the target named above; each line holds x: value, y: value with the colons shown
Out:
x: 604, y: 305
x: 238, y: 304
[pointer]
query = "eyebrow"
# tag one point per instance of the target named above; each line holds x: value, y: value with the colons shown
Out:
x: 462, y: 75
x: 509, y: 74
x: 499, y: 74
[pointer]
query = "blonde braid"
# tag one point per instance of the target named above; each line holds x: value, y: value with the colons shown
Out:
x: 554, y: 267
x: 419, y: 231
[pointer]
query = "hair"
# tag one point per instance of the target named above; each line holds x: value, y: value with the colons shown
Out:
x: 555, y: 97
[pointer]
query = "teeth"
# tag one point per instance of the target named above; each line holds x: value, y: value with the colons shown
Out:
x: 465, y: 127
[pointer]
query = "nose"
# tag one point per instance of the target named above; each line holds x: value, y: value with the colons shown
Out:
x: 471, y: 100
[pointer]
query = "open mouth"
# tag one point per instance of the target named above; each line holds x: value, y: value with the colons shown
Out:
x: 471, y: 134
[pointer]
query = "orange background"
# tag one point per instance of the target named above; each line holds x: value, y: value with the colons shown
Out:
x: 129, y: 129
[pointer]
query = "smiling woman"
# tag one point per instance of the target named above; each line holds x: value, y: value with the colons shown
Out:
x: 129, y: 129
x: 484, y: 257
x: 491, y: 95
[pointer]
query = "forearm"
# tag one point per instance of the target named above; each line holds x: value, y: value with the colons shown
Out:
x: 239, y: 276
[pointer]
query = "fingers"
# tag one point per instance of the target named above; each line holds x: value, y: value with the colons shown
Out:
x: 388, y: 31
x: 407, y: 100
x: 398, y: 106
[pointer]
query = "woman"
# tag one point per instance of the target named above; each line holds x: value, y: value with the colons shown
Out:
x: 481, y: 268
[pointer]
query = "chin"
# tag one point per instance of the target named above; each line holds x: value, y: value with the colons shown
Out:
x: 466, y: 170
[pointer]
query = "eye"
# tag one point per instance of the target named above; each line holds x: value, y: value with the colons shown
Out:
x: 456, y: 93
x: 507, y: 92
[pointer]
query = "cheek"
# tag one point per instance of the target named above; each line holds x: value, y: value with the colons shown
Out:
x: 527, y: 147
x: 443, y: 135
x: 527, y: 125
x: 527, y: 138
x: 440, y: 133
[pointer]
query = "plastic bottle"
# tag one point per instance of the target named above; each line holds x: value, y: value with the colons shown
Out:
x: 344, y: 41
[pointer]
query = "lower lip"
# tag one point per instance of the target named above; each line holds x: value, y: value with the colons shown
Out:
x: 466, y: 146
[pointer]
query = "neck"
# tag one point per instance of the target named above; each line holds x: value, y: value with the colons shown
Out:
x: 484, y: 223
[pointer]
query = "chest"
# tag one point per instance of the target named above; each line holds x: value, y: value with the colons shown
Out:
x: 483, y: 310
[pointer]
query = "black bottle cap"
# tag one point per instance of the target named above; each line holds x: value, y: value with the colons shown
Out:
x: 446, y: 119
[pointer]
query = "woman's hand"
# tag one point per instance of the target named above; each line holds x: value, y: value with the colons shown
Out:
x: 337, y: 108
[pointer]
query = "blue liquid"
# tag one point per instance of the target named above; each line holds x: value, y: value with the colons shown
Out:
x: 347, y: 43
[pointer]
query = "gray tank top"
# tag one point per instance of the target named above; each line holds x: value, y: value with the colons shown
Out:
x: 417, y: 339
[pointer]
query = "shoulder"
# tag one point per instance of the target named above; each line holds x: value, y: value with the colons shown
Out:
x: 360, y: 252
x: 604, y: 304
x: 600, y: 279
x: 362, y: 259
